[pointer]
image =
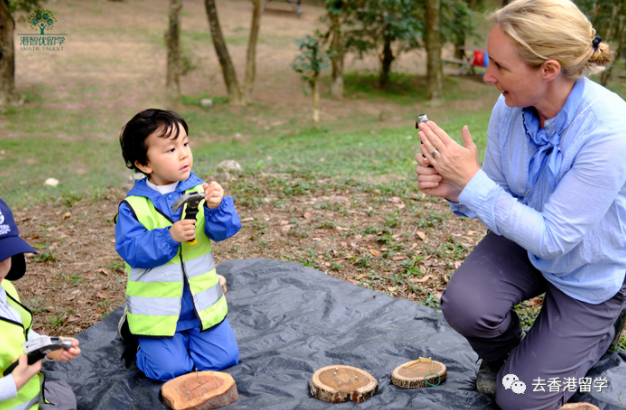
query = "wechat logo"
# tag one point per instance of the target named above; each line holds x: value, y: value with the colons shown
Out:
x: 42, y: 20
x: 512, y: 382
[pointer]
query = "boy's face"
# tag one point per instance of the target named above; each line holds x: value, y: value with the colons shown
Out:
x: 169, y: 160
x: 5, y: 267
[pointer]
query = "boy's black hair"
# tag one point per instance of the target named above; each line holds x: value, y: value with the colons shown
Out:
x: 134, y: 133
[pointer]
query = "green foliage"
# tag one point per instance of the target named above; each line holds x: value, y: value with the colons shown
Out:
x: 25, y: 6
x: 313, y: 58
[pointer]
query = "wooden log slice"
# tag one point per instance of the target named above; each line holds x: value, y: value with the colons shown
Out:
x: 416, y: 374
x: 343, y: 383
x: 200, y: 391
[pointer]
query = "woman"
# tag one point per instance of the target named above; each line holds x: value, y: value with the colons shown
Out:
x: 552, y: 193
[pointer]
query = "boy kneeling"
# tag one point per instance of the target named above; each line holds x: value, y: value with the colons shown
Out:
x: 175, y: 304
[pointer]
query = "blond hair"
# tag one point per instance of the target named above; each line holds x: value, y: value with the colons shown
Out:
x: 553, y: 30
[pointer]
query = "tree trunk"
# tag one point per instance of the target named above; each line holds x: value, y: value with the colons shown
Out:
x: 257, y: 9
x: 172, y: 41
x: 228, y: 70
x: 337, y: 47
x: 433, y: 50
x: 316, y: 99
x: 8, y: 93
x: 617, y: 20
x: 386, y: 60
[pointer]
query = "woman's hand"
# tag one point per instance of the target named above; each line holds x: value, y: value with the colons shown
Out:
x: 431, y: 183
x: 454, y: 163
x: 24, y: 372
x: 62, y: 355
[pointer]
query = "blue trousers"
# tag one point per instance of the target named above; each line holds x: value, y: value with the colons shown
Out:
x: 165, y: 359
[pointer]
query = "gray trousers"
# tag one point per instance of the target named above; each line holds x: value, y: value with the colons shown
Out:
x: 60, y: 396
x: 566, y: 340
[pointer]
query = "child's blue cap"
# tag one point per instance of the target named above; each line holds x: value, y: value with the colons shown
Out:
x: 11, y: 245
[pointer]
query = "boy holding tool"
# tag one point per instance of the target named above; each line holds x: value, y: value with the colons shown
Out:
x: 175, y: 306
x: 22, y: 387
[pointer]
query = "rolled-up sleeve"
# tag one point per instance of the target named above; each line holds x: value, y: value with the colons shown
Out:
x: 222, y: 222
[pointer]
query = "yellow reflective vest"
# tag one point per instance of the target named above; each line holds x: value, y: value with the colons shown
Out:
x: 154, y: 296
x: 12, y: 335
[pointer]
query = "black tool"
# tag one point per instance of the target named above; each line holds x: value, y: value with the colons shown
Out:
x: 38, y: 348
x: 192, y: 199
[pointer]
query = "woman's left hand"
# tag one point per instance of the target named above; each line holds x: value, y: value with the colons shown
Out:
x: 451, y: 160
x: 62, y: 355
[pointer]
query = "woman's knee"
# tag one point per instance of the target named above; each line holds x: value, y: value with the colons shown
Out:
x: 468, y: 315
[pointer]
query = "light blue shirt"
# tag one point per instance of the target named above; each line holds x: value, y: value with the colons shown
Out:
x: 575, y: 234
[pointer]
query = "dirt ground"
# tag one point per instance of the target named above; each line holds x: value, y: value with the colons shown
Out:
x: 354, y: 233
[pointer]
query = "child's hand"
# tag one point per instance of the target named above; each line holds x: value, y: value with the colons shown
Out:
x: 183, y: 230
x: 213, y: 194
x: 24, y: 372
x: 62, y: 355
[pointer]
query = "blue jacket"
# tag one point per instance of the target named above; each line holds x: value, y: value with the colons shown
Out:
x: 141, y: 248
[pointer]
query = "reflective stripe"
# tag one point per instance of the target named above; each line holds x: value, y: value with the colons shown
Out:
x: 26, y: 406
x: 164, y: 273
x: 200, y: 265
x: 208, y: 297
x: 140, y: 305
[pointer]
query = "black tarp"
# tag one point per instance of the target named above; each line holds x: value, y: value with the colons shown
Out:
x: 290, y: 320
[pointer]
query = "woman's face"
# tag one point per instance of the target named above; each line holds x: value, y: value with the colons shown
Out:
x: 521, y: 85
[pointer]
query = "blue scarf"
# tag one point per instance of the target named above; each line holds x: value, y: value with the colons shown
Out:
x: 548, y: 153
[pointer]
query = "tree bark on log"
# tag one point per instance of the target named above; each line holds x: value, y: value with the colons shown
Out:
x: 8, y: 92
x: 172, y: 41
x: 257, y: 9
x: 414, y: 375
x: 337, y: 46
x: 386, y: 60
x: 340, y: 383
x: 228, y: 70
x: 200, y: 391
x: 433, y: 50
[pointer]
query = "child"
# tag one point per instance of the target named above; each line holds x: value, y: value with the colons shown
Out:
x: 21, y: 389
x: 175, y: 304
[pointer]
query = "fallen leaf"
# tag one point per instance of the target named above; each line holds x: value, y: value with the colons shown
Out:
x: 395, y: 236
x: 248, y: 219
x: 339, y: 228
x: 284, y: 222
x: 35, y: 237
x: 457, y: 264
x: 344, y: 244
x: 446, y: 278
x: 286, y: 228
x: 67, y: 215
x: 105, y: 271
x: 317, y: 239
x: 467, y: 245
x: 437, y: 295
x: 398, y: 258
x: 427, y: 257
x: 73, y: 318
x: 395, y: 199
x: 307, y: 215
x: 383, y: 249
x: 103, y: 295
x: 414, y: 246
x: 391, y: 289
x: 354, y: 282
x: 425, y: 278
x: 472, y: 233
x: 62, y: 236
x: 421, y: 235
x: 400, y: 206
x: 374, y: 252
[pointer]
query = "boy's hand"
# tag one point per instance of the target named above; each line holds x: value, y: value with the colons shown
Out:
x: 24, y: 372
x: 183, y: 230
x: 62, y: 355
x: 213, y: 194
